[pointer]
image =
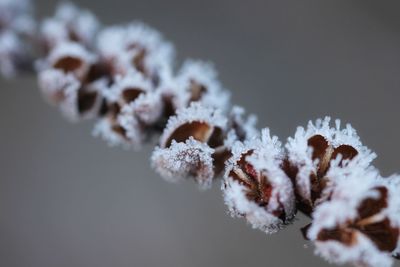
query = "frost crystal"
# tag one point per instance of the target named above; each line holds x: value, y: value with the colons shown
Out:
x: 255, y: 187
x: 311, y: 151
x: 359, y: 223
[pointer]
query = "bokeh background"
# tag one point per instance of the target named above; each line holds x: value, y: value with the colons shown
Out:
x: 68, y: 200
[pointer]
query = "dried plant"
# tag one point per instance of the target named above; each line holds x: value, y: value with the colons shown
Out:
x: 124, y: 77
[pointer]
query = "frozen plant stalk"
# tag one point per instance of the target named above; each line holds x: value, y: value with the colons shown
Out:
x: 124, y: 76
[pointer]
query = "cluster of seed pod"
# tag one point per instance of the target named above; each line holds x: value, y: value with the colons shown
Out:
x: 124, y: 77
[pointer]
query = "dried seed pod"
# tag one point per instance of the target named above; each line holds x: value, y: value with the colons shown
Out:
x: 16, y: 15
x: 128, y: 134
x: 131, y: 106
x: 184, y: 159
x: 255, y: 187
x: 127, y: 88
x: 69, y: 23
x: 310, y: 153
x: 13, y: 54
x: 191, y: 145
x: 147, y: 108
x: 360, y: 223
x: 53, y: 83
x: 16, y: 28
x: 137, y: 47
x: 83, y: 102
x: 66, y: 91
x: 197, y: 81
x: 64, y: 81
x: 73, y: 58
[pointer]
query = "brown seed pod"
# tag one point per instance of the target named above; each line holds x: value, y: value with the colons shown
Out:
x: 135, y: 47
x: 131, y: 105
x: 192, y: 144
x: 197, y: 81
x: 17, y: 28
x: 72, y: 58
x: 64, y: 81
x: 310, y: 153
x: 69, y: 24
x: 359, y: 224
x: 256, y: 188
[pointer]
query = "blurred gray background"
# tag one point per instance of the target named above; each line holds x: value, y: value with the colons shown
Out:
x: 68, y: 200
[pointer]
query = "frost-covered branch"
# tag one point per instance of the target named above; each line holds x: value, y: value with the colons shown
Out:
x: 124, y: 77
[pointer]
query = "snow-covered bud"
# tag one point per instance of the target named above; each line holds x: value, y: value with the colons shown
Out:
x: 255, y: 187
x: 310, y: 153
